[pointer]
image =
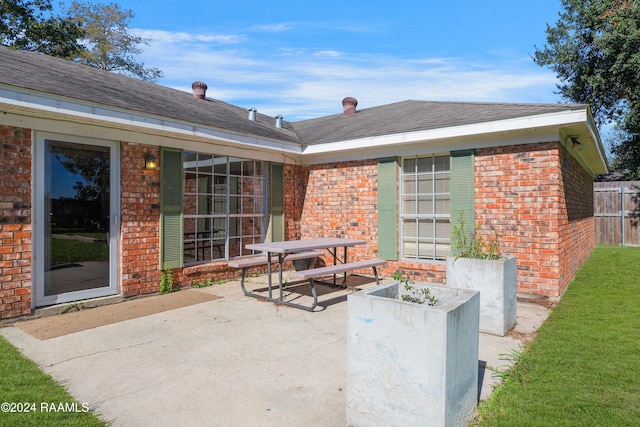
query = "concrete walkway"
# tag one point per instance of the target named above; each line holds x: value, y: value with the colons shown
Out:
x: 235, y: 361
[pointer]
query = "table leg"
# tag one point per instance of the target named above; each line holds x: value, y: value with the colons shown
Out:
x: 280, y: 261
x: 269, y: 272
x: 335, y: 261
x: 334, y: 253
x: 344, y: 283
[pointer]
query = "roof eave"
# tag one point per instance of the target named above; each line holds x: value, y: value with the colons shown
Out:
x: 576, y: 117
x: 84, y: 111
x: 490, y: 127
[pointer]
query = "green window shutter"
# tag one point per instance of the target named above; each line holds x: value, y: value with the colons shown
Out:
x: 387, y: 209
x: 171, y: 196
x: 462, y: 191
x: 276, y: 192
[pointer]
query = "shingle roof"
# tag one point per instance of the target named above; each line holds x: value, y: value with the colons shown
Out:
x: 408, y: 116
x: 55, y: 76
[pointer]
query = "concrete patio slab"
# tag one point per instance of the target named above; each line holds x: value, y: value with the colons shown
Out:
x: 234, y: 361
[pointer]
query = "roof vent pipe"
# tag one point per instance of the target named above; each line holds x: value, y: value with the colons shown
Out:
x: 252, y: 114
x: 199, y: 89
x: 279, y: 121
x: 349, y: 105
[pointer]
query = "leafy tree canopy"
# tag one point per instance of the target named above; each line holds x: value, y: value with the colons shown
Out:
x: 111, y: 46
x: 30, y: 25
x: 594, y: 48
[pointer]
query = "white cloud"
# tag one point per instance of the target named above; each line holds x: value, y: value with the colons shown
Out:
x: 163, y: 37
x: 303, y: 83
x: 274, y: 28
x: 337, y: 26
x: 331, y: 53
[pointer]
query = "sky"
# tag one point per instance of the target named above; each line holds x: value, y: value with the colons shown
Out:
x: 299, y: 59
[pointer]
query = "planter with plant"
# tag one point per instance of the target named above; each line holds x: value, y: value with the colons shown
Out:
x: 479, y: 265
x: 412, y: 354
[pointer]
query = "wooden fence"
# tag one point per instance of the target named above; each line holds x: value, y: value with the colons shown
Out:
x: 616, y: 207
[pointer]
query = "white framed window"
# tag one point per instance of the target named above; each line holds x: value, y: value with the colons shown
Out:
x: 225, y: 206
x: 425, y: 207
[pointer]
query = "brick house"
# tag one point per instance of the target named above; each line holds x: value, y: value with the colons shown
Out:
x: 84, y: 217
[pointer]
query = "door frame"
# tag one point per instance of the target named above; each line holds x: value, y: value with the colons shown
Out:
x: 39, y: 215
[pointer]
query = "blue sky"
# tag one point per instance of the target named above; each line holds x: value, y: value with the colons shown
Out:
x: 300, y: 58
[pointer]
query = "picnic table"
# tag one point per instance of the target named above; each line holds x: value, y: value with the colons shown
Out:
x: 301, y: 249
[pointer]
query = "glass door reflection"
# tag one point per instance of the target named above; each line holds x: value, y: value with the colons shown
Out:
x: 76, y: 226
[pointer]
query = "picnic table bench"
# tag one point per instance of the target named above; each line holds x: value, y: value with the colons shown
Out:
x: 301, y: 249
x: 246, y: 263
x: 329, y: 270
x: 313, y: 273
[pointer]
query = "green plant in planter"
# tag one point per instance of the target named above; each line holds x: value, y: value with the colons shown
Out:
x: 470, y: 244
x: 166, y: 281
x: 415, y: 295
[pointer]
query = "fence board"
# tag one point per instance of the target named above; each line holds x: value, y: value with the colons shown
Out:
x: 616, y: 207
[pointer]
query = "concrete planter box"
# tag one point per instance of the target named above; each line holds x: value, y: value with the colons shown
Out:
x: 412, y: 364
x: 496, y: 282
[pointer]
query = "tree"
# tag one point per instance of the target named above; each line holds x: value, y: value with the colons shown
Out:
x: 90, y: 164
x: 594, y: 48
x: 110, y: 43
x: 91, y: 168
x: 30, y: 25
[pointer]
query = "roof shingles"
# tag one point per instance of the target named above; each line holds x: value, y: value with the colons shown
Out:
x: 56, y: 76
x: 59, y: 77
x: 409, y: 116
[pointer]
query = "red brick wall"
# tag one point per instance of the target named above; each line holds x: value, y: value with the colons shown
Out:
x: 341, y: 201
x: 15, y: 222
x: 140, y: 221
x: 542, y: 211
x: 296, y: 179
x: 577, y: 223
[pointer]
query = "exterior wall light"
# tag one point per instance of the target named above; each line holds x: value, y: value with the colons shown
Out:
x: 150, y: 162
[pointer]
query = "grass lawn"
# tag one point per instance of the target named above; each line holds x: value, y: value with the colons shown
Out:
x: 26, y: 388
x: 70, y: 251
x: 583, y: 369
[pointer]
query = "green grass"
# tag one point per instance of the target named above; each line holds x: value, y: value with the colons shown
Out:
x: 24, y: 384
x: 70, y: 251
x: 74, y: 232
x: 583, y: 369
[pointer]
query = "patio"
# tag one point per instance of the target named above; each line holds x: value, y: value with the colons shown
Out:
x: 229, y: 361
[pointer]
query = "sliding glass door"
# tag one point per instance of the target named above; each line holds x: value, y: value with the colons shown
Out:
x: 76, y: 213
